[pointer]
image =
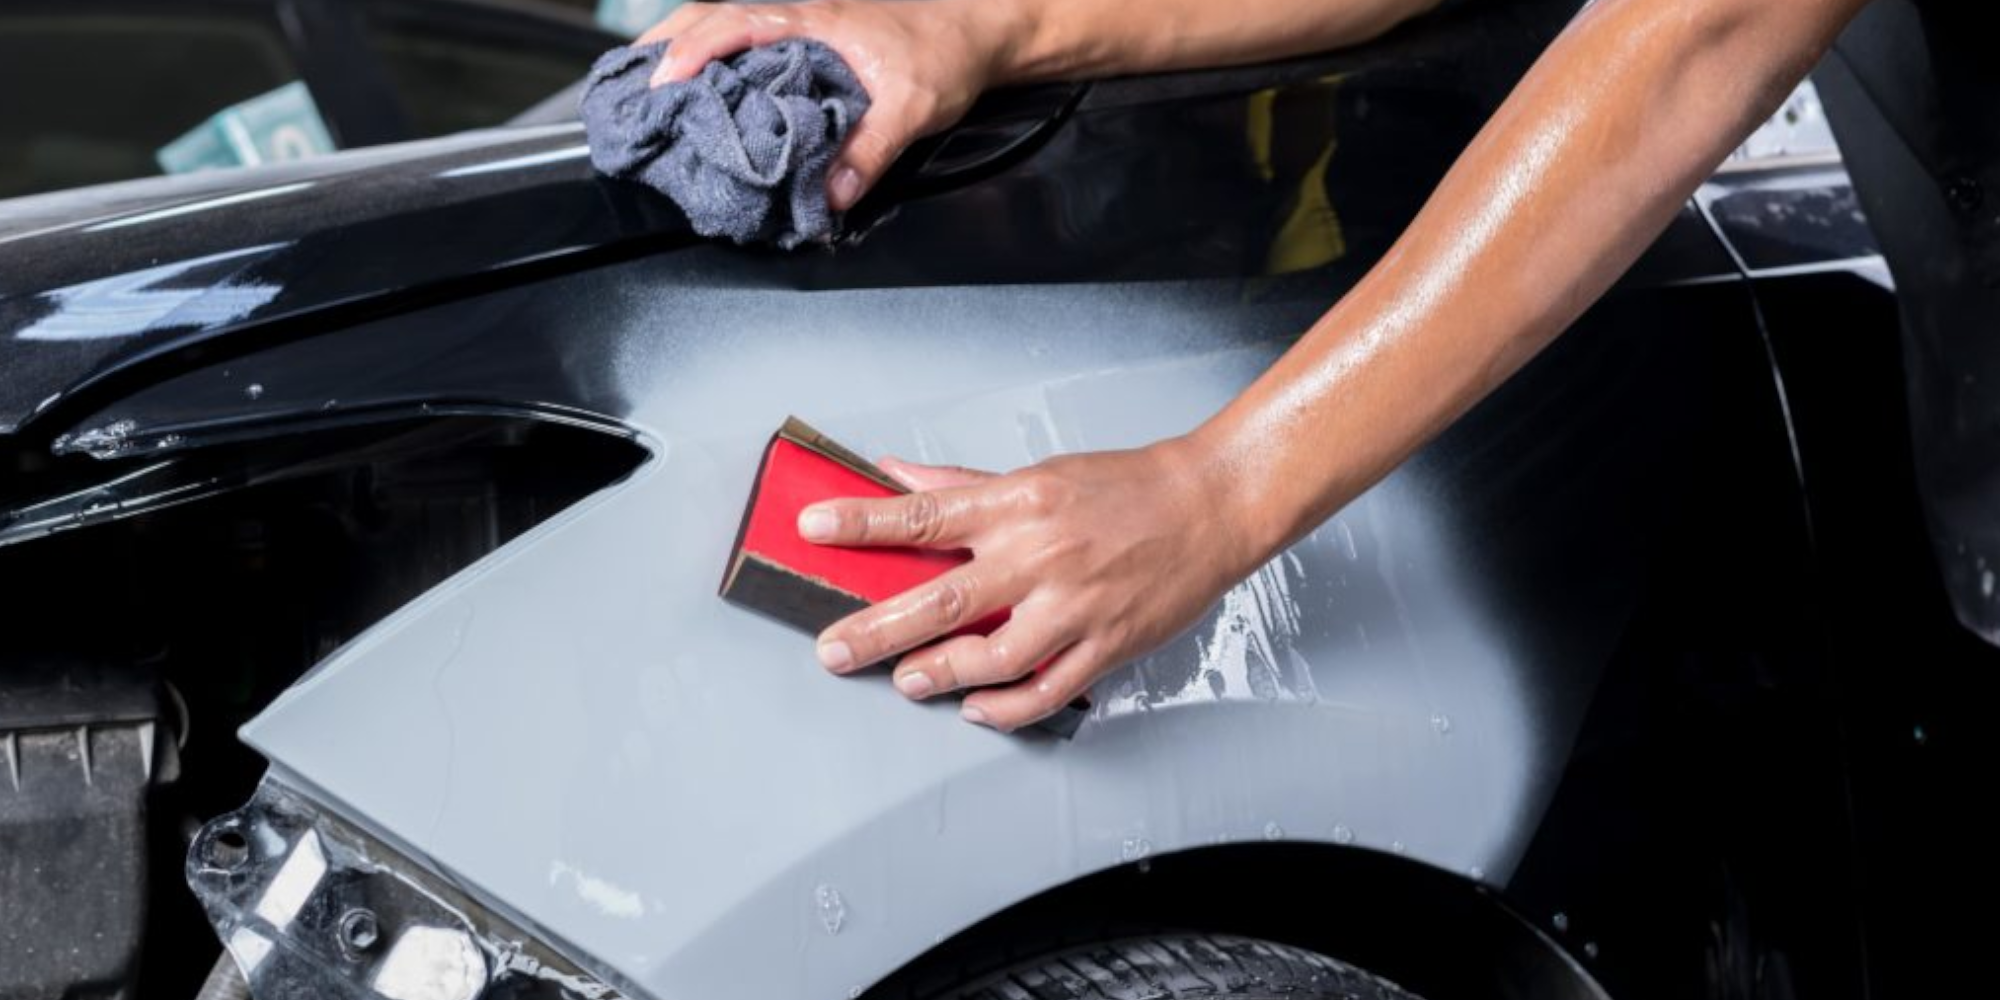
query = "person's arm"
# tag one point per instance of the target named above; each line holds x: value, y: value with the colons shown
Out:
x: 1576, y: 174
x: 1075, y: 39
x: 924, y: 61
x: 1106, y: 556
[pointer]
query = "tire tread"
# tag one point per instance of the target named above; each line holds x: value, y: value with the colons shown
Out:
x: 1178, y: 967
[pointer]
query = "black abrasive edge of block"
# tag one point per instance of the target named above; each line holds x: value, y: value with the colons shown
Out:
x: 782, y: 595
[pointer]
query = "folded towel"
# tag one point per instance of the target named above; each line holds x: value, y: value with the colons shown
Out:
x: 743, y: 147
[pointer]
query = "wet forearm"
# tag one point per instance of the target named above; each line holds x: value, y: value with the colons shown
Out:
x: 1578, y: 171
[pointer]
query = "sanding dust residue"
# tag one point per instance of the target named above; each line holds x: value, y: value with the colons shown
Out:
x: 1247, y: 652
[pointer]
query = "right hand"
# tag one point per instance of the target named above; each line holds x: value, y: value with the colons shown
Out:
x: 923, y: 64
x: 1101, y: 557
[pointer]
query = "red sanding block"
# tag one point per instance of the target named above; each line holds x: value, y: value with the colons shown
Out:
x: 774, y: 572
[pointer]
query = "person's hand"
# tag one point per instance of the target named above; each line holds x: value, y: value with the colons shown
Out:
x: 921, y: 63
x: 1103, y: 557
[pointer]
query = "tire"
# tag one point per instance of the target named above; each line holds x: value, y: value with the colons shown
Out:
x: 1177, y: 966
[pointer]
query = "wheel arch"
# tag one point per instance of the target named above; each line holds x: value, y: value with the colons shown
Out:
x: 1437, y: 933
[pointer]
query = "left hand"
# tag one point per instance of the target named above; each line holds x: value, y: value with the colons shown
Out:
x: 923, y: 64
x: 1103, y: 557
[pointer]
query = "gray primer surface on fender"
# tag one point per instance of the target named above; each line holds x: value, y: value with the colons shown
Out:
x: 581, y: 730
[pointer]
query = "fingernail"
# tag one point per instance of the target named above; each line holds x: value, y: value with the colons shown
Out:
x: 845, y: 188
x: 915, y: 684
x: 972, y: 714
x: 816, y: 524
x: 834, y: 655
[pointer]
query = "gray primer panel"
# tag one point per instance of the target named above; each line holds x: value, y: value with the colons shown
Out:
x: 581, y: 730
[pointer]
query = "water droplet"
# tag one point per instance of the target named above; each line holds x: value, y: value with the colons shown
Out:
x: 254, y: 390
x: 832, y: 908
x: 1396, y: 846
x: 1920, y: 736
x: 1561, y: 922
x: 1476, y: 873
x: 1590, y: 950
x: 1134, y: 848
x: 1145, y: 866
x: 1986, y: 583
x: 853, y: 992
x: 1442, y: 723
x: 1272, y: 831
x: 1342, y: 835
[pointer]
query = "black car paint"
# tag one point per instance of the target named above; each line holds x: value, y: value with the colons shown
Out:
x: 1726, y: 825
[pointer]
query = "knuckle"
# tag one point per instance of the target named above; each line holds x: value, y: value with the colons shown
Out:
x: 999, y: 654
x: 1008, y: 661
x: 868, y: 639
x: 938, y: 668
x: 850, y: 522
x: 688, y: 50
x: 922, y: 518
x: 924, y: 104
x: 1041, y: 493
x: 872, y: 147
x: 1048, y: 699
x: 950, y: 601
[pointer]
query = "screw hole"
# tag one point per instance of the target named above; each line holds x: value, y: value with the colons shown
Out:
x: 359, y: 930
x: 227, y: 849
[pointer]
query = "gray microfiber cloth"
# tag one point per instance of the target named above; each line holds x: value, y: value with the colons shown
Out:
x: 743, y: 147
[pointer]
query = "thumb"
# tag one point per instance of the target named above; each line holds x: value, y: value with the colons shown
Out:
x: 923, y: 478
x: 863, y: 161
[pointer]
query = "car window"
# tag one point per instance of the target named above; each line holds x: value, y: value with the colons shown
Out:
x: 456, y: 68
x: 89, y: 99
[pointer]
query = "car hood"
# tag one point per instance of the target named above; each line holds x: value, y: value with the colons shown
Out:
x: 98, y: 280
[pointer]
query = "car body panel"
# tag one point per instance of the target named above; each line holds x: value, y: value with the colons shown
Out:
x: 1364, y: 689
